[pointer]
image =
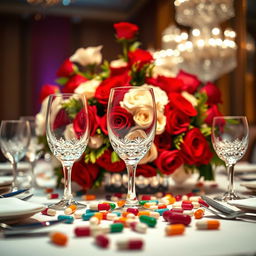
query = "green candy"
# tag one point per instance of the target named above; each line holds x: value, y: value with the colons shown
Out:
x: 150, y: 221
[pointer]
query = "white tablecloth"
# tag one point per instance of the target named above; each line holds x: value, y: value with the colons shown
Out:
x: 233, y: 238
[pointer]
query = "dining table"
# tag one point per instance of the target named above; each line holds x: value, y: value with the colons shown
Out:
x: 233, y: 237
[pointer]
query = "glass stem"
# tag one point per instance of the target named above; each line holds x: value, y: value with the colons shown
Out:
x: 33, y: 177
x: 230, y: 168
x: 67, y: 182
x: 14, y: 173
x: 131, y: 199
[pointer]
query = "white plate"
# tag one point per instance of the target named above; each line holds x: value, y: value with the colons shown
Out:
x: 249, y: 185
x: 14, y: 209
x: 5, y: 180
x: 247, y: 204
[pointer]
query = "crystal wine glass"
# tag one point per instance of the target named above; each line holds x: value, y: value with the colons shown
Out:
x: 230, y: 141
x: 67, y: 132
x: 131, y: 122
x: 14, y: 140
x: 34, y: 148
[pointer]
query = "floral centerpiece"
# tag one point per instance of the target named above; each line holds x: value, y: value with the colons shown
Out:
x: 185, y: 110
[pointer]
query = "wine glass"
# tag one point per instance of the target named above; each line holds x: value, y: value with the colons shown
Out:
x: 131, y: 123
x: 67, y: 133
x: 34, y: 149
x: 230, y: 141
x: 14, y: 140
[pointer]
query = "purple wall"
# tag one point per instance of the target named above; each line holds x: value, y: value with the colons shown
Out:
x: 50, y: 46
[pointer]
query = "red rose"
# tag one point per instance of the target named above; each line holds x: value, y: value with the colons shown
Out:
x: 168, y: 161
x: 211, y: 113
x: 213, y: 93
x: 177, y: 122
x: 103, y: 124
x: 168, y: 84
x: 66, y: 69
x: 80, y: 123
x: 47, y: 90
x: 116, y: 71
x: 103, y: 90
x: 190, y: 81
x: 139, y: 57
x: 195, y: 149
x: 183, y: 105
x: 84, y: 174
x: 120, y: 121
x: 105, y: 162
x: 163, y: 141
x: 145, y: 170
x: 125, y: 30
x: 73, y: 83
x: 93, y: 119
x: 61, y: 119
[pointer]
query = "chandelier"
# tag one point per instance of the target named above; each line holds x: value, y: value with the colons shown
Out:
x: 205, y: 50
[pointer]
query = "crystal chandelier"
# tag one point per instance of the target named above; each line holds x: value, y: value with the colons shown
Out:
x: 206, y: 50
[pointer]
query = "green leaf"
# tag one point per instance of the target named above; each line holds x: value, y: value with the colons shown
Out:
x: 134, y: 46
x: 206, y: 130
x: 72, y: 107
x: 114, y: 157
x: 178, y: 140
x: 92, y: 157
x: 61, y: 80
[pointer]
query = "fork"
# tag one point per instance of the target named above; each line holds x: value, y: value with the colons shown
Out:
x: 232, y: 216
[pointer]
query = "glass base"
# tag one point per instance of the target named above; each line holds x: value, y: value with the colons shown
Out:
x: 135, y: 206
x: 229, y: 196
x: 64, y: 203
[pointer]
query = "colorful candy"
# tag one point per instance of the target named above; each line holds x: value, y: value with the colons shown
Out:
x: 53, y: 196
x: 102, y: 240
x: 49, y: 212
x: 207, y: 224
x: 112, y: 228
x: 134, y: 211
x: 67, y: 218
x: 59, y: 238
x: 199, y: 213
x: 178, y: 218
x: 174, y: 229
x: 86, y: 231
x: 139, y: 227
x: 88, y: 197
x: 150, y: 221
x: 130, y: 244
x: 71, y: 209
x: 100, y: 207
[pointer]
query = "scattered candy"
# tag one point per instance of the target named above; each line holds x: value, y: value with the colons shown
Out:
x: 178, y: 218
x: 199, y: 213
x: 134, y: 211
x: 130, y: 244
x: 88, y: 197
x: 150, y: 221
x: 174, y: 229
x: 94, y: 221
x: 102, y: 240
x: 99, y: 207
x: 86, y: 231
x: 67, y: 218
x: 59, y: 238
x: 139, y: 227
x: 71, y: 209
x: 207, y: 224
x: 53, y: 196
x: 48, y: 190
x: 49, y: 212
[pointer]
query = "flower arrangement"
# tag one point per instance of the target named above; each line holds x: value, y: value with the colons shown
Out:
x: 185, y: 110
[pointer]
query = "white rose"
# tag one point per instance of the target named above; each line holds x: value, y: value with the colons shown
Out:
x: 87, y: 56
x: 150, y: 156
x: 69, y: 132
x: 163, y: 71
x: 189, y: 97
x: 88, y: 88
x: 161, y: 122
x: 161, y: 97
x: 143, y: 117
x: 95, y: 141
x: 136, y: 98
x: 118, y: 63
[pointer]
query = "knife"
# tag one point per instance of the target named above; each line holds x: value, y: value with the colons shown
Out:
x: 217, y: 205
x: 14, y: 193
x: 30, y: 229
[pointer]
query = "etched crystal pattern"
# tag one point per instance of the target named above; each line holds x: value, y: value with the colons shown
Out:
x: 230, y: 151
x: 67, y: 150
x: 131, y: 149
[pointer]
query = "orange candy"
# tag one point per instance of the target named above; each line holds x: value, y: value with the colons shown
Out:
x: 71, y: 209
x: 121, y: 203
x: 59, y: 238
x: 175, y: 229
x: 199, y: 214
x: 147, y: 213
x: 88, y: 197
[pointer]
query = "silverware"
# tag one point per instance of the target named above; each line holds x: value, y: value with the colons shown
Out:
x: 14, y: 193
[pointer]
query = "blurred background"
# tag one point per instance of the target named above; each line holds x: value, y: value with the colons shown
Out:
x: 38, y: 35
